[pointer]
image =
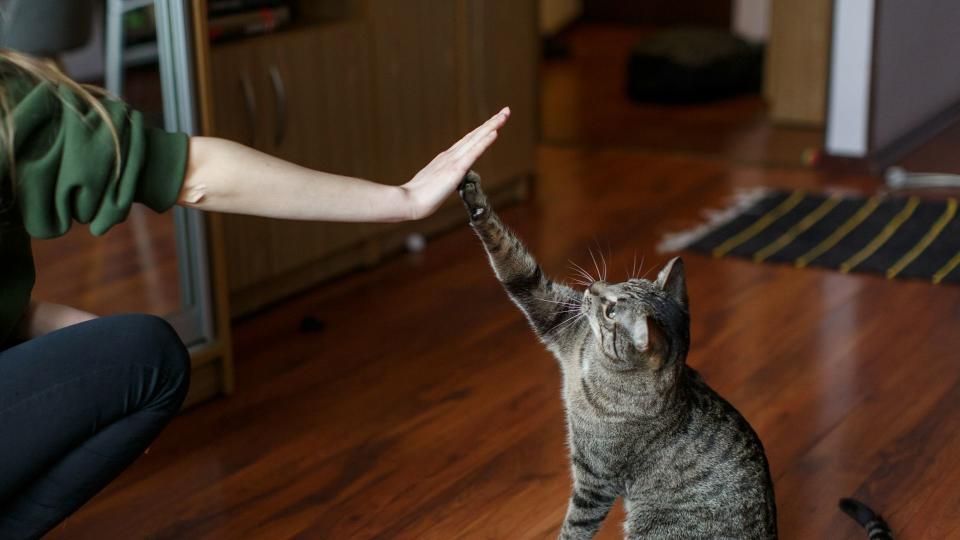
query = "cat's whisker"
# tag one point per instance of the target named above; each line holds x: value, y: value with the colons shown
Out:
x: 586, y: 278
x: 577, y: 266
x: 581, y: 278
x: 564, y: 323
x: 594, y: 259
x: 603, y: 261
x: 647, y: 272
x: 579, y: 281
x: 583, y: 272
x: 569, y: 302
x: 609, y: 256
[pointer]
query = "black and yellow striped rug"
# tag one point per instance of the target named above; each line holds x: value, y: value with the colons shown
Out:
x: 897, y: 237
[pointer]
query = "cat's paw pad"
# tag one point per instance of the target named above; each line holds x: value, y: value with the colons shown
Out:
x: 473, y: 197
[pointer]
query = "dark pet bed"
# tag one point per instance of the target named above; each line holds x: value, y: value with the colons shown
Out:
x: 693, y: 65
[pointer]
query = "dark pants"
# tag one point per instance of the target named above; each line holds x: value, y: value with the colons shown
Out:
x: 78, y: 406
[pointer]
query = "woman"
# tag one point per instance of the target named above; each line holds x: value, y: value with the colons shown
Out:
x: 81, y: 397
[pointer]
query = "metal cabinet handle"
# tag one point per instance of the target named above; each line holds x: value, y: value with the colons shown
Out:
x: 250, y: 104
x: 280, y: 101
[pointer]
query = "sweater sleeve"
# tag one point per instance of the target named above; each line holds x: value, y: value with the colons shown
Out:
x: 66, y: 163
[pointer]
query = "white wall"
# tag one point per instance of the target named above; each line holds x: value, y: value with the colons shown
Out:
x: 751, y: 19
x: 848, y: 107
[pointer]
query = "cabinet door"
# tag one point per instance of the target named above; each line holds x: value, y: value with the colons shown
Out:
x: 416, y: 80
x: 321, y: 96
x: 500, y: 55
x: 238, y: 101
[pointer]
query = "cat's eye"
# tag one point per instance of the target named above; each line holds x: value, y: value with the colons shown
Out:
x: 610, y: 311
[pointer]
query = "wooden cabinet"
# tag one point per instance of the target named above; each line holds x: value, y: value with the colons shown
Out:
x: 497, y: 66
x: 238, y: 90
x: 415, y: 66
x: 376, y: 95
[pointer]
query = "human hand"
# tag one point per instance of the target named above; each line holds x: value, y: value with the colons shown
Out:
x: 435, y: 182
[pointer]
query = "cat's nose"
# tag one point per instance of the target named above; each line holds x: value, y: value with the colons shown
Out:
x: 597, y: 287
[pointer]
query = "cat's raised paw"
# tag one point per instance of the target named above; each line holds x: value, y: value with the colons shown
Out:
x: 473, y: 197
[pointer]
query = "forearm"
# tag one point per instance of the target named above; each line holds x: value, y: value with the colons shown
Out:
x: 224, y: 176
x: 44, y: 317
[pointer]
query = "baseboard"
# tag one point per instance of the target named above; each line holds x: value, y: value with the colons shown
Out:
x: 892, y: 153
x: 880, y: 159
x: 847, y: 165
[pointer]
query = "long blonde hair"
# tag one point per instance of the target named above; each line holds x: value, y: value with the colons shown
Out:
x: 43, y: 70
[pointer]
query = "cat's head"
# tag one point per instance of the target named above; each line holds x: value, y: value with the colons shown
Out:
x: 640, y: 324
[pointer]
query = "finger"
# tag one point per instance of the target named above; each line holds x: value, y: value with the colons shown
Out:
x: 469, y: 148
x: 475, y: 151
x: 494, y: 123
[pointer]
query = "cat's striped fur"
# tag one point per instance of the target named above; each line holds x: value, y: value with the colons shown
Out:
x: 642, y: 425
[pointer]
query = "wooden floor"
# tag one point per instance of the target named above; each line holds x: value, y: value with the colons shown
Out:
x: 427, y: 409
x: 584, y: 105
x: 133, y: 268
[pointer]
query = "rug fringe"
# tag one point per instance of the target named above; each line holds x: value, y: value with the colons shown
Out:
x: 741, y: 201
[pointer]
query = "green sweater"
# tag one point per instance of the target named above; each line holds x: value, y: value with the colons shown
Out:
x: 64, y: 168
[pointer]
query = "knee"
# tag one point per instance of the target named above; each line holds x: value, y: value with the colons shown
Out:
x: 156, y: 344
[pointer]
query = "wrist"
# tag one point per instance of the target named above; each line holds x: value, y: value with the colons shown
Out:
x: 394, y: 204
x: 407, y: 204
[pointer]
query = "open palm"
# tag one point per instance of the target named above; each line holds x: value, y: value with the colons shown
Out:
x: 435, y: 182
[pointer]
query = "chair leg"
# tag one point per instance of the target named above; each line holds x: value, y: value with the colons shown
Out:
x: 113, y: 61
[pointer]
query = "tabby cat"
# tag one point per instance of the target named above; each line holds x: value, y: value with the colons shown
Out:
x: 642, y: 425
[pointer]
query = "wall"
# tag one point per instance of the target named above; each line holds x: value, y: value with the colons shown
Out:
x: 893, y: 75
x: 751, y: 19
x: 848, y: 108
x: 916, y: 75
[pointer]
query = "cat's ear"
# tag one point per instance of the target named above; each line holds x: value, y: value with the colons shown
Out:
x: 672, y: 280
x: 650, y: 340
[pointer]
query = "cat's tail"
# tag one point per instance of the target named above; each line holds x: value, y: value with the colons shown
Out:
x: 877, y: 528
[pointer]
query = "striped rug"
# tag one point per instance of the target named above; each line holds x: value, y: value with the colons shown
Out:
x: 903, y: 237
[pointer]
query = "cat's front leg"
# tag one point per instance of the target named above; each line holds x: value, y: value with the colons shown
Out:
x: 547, y: 304
x: 587, y: 509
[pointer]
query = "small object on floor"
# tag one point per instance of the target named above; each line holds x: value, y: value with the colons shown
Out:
x: 693, y: 65
x: 311, y: 324
x: 810, y: 157
x: 900, y: 178
x: 877, y: 528
x: 898, y: 237
x: 416, y: 243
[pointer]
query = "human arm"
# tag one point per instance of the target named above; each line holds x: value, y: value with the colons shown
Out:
x: 224, y: 176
